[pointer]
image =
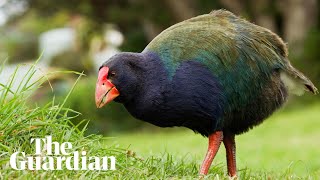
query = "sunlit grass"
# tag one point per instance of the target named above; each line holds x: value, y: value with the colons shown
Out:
x: 287, y: 144
x: 20, y: 121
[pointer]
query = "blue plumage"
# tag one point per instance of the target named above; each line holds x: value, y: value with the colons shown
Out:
x: 216, y: 74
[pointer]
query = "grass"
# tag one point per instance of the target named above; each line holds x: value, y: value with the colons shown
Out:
x: 285, y: 147
x: 19, y: 123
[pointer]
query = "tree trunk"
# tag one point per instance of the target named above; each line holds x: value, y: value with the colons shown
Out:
x: 299, y: 16
x: 262, y: 15
x: 181, y: 9
x: 236, y: 6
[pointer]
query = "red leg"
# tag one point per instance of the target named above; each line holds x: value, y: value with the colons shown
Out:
x: 214, y: 144
x: 230, y: 145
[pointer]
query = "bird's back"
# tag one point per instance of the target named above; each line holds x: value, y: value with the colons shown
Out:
x: 249, y: 61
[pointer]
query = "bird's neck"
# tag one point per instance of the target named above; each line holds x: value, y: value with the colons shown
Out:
x: 154, y: 84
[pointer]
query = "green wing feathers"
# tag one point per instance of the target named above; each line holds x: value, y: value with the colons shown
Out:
x: 238, y: 52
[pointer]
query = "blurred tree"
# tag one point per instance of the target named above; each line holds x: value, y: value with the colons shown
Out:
x: 292, y: 19
x: 297, y: 21
x: 299, y: 17
x: 142, y: 20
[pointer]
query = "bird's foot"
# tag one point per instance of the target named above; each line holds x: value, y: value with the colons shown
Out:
x: 201, y: 176
x: 235, y: 177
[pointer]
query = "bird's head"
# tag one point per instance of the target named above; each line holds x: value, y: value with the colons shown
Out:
x: 118, y: 79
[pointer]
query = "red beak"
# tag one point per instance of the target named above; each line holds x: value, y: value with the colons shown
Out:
x: 105, y: 90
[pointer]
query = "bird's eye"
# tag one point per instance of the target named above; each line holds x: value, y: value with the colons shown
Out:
x: 112, y: 74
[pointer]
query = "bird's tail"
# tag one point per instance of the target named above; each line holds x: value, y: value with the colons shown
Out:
x: 296, y: 82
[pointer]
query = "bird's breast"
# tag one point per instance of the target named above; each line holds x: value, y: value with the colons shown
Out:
x: 192, y: 98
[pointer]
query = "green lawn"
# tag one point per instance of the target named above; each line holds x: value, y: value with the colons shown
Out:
x: 287, y: 144
x: 284, y: 147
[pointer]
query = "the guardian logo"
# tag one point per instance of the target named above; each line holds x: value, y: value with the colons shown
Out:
x: 61, y: 158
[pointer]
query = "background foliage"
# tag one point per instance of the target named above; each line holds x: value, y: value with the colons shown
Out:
x: 297, y: 21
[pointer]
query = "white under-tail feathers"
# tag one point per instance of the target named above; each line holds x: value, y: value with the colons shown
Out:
x: 296, y: 82
x: 293, y: 85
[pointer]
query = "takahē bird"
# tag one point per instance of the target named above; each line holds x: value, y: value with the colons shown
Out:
x: 216, y: 74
